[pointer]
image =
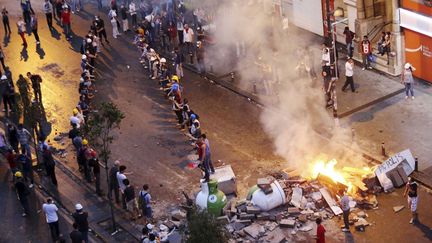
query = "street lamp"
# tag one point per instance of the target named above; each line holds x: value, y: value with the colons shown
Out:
x: 335, y: 63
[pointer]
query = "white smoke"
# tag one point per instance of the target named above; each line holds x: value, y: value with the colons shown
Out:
x: 295, y: 108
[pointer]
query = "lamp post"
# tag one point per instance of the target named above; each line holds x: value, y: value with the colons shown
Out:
x: 336, y: 76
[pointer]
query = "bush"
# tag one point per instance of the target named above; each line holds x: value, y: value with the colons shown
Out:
x: 204, y: 227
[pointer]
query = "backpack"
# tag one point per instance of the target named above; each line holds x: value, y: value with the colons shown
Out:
x: 142, y: 203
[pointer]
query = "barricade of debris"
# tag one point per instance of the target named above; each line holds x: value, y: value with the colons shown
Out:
x: 284, y: 204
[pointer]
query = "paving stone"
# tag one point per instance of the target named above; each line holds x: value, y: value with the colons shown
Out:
x: 287, y: 223
x: 254, y: 230
x: 398, y: 208
x: 247, y: 216
x: 178, y: 215
x: 276, y: 236
x: 223, y: 219
x: 293, y: 210
x: 263, y: 216
x: 253, y: 209
x: 237, y: 226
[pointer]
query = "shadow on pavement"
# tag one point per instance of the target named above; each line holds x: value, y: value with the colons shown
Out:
x: 55, y: 34
x: 6, y: 40
x: 24, y: 54
x: 425, y: 229
x: 40, y: 51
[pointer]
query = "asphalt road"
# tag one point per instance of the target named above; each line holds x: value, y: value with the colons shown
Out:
x: 149, y: 143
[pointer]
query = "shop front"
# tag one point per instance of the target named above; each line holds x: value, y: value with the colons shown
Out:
x: 416, y: 20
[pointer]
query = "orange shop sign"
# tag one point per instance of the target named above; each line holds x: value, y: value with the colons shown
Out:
x: 418, y: 52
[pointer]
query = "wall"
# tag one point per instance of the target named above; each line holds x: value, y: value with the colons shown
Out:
x: 418, y: 52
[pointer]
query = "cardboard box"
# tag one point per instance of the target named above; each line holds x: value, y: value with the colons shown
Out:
x: 226, y: 179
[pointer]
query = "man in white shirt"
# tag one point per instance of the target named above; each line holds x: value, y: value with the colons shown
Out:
x: 349, y: 71
x: 325, y: 59
x: 50, y: 210
x: 120, y: 178
x: 188, y: 37
x: 344, y: 203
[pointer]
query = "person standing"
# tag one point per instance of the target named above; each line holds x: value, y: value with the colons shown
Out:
x: 49, y: 162
x: 114, y: 186
x: 131, y: 203
x: 408, y: 80
x: 24, y: 138
x: 48, y: 10
x: 65, y: 21
x: 94, y: 164
x: 145, y: 203
x: 344, y: 202
x: 120, y: 178
x: 9, y: 97
x: 21, y: 25
x: 81, y: 219
x: 27, y: 168
x: 77, y: 6
x: 5, y: 19
x: 325, y: 59
x: 124, y: 17
x: 349, y: 71
x: 75, y: 235
x: 36, y: 80
x: 26, y: 9
x: 349, y: 36
x: 133, y: 14
x: 100, y: 29
x: 113, y: 20
x: 50, y: 210
x: 2, y: 57
x: 34, y: 27
x: 366, y: 52
x: 12, y: 136
x: 22, y: 192
x: 411, y: 191
x: 188, y: 38
x: 320, y: 238
x: 207, y: 159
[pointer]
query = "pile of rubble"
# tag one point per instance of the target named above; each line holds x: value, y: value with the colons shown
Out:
x: 305, y: 202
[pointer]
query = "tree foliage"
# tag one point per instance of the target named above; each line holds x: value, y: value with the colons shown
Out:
x: 100, y: 125
x: 204, y: 227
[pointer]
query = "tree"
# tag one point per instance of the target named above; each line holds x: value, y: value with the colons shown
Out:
x: 204, y: 227
x: 98, y: 129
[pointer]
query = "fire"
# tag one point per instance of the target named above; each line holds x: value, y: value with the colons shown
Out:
x: 348, y: 176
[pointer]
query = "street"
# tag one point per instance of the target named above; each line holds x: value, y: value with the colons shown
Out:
x: 157, y: 153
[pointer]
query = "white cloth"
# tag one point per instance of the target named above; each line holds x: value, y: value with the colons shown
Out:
x: 349, y: 69
x: 50, y: 211
x: 120, y: 178
x: 132, y: 9
x: 326, y: 57
x: 125, y: 24
x: 345, y: 203
x: 413, y: 202
x: 188, y: 35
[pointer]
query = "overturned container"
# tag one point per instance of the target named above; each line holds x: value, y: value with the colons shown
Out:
x: 267, y: 201
x: 210, y: 198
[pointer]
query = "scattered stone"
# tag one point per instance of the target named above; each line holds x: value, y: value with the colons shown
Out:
x: 224, y: 219
x: 306, y: 228
x: 58, y: 138
x: 178, y: 215
x: 254, y: 230
x: 316, y: 196
x: 175, y: 237
x: 63, y: 155
x: 240, y: 202
x: 307, y: 212
x: 244, y: 221
x: 263, y: 216
x: 253, y: 209
x: 242, y: 208
x: 237, y: 226
x: 169, y: 224
x: 229, y: 228
x: 271, y: 226
x: 246, y: 216
x: 362, y: 214
x: 397, y: 209
x: 296, y: 197
x: 264, y: 181
x: 293, y: 210
x: 303, y: 218
x: 288, y: 223
x: 276, y: 236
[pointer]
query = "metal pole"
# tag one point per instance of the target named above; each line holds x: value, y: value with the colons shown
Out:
x: 329, y: 36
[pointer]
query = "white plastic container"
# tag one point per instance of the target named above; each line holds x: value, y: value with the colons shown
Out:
x: 202, y: 196
x: 269, y: 201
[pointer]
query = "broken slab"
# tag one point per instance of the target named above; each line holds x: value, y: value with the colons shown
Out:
x: 253, y: 209
x: 287, y: 223
x: 293, y: 210
x: 237, y: 226
x: 397, y: 209
x: 306, y: 228
x: 330, y: 201
x: 316, y: 196
x: 244, y: 216
x: 178, y: 215
x: 276, y: 236
x: 265, y: 181
x: 223, y: 219
x: 263, y: 216
x: 303, y: 218
x: 362, y: 214
x: 254, y: 230
x: 296, y: 197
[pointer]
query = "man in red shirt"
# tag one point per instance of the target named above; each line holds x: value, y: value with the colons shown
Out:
x: 66, y: 22
x: 320, y: 238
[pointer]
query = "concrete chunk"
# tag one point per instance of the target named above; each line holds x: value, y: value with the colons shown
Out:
x: 287, y: 223
x: 178, y: 215
x: 276, y: 236
x: 293, y: 210
x: 263, y: 216
x: 254, y: 230
x: 253, y: 209
x: 223, y: 219
x: 237, y: 226
x: 264, y: 181
x: 397, y: 209
x: 247, y: 216
x: 296, y: 198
